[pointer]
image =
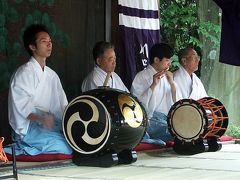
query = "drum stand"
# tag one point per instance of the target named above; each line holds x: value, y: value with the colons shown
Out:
x: 199, y: 146
x: 13, y: 164
x: 213, y: 145
x: 105, y: 159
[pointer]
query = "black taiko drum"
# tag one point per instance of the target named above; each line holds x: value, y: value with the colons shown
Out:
x: 190, y: 120
x: 103, y: 120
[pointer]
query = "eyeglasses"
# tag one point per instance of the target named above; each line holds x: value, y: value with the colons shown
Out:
x: 193, y: 57
x: 109, y: 58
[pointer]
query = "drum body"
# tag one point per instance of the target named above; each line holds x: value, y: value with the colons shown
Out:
x: 103, y: 120
x: 190, y: 120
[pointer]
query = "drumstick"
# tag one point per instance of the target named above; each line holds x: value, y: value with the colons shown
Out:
x: 105, y: 84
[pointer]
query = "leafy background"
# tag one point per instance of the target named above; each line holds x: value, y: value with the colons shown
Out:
x: 13, y: 22
x: 181, y: 27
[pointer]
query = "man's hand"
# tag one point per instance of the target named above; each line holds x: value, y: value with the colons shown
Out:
x: 48, y: 120
x: 156, y: 78
x: 169, y: 76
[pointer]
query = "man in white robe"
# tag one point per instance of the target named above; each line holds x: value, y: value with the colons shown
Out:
x: 105, y: 60
x: 156, y: 90
x: 189, y: 85
x: 37, y: 100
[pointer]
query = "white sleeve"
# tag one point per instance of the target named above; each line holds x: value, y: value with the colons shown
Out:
x: 22, y: 93
x: 141, y: 89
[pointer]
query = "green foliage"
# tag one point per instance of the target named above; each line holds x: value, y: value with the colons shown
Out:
x: 37, y: 17
x: 180, y: 26
x: 50, y: 2
x: 178, y: 20
x: 3, y: 6
x: 2, y: 43
x: 13, y: 22
x: 4, y: 74
x: 233, y: 130
x: 175, y: 63
x: 210, y: 31
x: 18, y: 1
x: 12, y: 15
x: 2, y: 20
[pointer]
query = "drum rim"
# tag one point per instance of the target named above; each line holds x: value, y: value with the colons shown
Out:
x: 202, y: 113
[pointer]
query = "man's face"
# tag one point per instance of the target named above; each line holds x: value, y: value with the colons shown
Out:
x: 107, y: 62
x: 191, y: 61
x: 43, y: 47
x: 164, y: 64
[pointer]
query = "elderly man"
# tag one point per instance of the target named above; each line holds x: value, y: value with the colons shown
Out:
x: 105, y: 63
x: 189, y: 85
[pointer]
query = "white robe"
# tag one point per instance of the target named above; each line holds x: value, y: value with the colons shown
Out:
x: 32, y: 89
x: 159, y: 100
x: 97, y: 77
x: 189, y: 88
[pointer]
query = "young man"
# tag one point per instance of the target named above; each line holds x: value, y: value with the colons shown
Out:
x: 189, y: 85
x: 155, y: 88
x: 37, y: 100
x: 105, y: 63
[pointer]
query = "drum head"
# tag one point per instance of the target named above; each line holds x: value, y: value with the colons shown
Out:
x: 187, y: 120
x: 86, y: 124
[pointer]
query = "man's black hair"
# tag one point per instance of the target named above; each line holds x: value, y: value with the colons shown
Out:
x: 30, y: 35
x: 160, y: 50
x: 99, y: 49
